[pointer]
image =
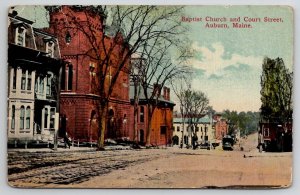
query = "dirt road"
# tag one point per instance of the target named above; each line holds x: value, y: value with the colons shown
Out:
x: 149, y: 168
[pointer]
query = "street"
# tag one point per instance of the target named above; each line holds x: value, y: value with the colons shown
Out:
x: 149, y: 168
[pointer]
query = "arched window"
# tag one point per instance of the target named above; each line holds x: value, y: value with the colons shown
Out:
x: 22, y: 115
x: 13, y: 117
x: 20, y: 36
x: 110, y: 113
x: 46, y: 118
x: 50, y: 48
x: 28, y: 117
x: 142, y: 111
x: 70, y: 77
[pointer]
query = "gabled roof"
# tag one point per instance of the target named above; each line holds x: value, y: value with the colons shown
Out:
x: 142, y: 97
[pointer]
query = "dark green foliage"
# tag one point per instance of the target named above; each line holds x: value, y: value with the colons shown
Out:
x: 246, y: 122
x: 276, y: 91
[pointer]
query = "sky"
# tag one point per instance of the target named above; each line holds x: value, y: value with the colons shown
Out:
x: 227, y: 61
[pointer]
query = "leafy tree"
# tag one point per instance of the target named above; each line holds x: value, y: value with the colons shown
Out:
x: 276, y: 91
x: 246, y: 122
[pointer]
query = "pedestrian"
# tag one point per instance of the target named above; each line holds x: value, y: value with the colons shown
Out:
x: 67, y: 141
x: 194, y: 141
x: 260, y: 141
x: 181, y: 144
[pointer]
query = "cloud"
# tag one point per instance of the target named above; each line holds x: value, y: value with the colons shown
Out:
x: 199, y: 72
x: 214, y: 59
x: 216, y: 77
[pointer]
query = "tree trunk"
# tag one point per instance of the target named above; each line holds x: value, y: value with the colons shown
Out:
x: 135, y: 113
x: 102, y: 126
x: 148, y: 134
x: 135, y: 122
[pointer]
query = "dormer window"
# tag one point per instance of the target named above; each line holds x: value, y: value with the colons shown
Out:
x: 20, y: 36
x: 50, y: 48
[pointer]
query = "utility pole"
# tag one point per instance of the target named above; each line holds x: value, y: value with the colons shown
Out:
x: 56, y: 125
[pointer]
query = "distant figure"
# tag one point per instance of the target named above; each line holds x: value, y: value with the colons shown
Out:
x: 181, y: 144
x: 66, y: 140
x: 260, y: 141
x: 194, y: 141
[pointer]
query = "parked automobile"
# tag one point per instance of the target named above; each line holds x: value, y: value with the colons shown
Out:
x: 227, y: 142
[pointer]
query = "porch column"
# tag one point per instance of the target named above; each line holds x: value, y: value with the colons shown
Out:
x: 43, y: 121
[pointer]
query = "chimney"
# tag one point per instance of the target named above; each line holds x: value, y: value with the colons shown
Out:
x: 165, y: 95
x: 156, y: 89
x: 14, y: 13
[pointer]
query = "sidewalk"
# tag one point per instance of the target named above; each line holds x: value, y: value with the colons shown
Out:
x: 256, y: 153
x: 71, y: 149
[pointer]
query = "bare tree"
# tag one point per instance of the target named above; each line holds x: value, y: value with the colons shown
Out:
x: 196, y: 105
x: 159, y: 68
x: 179, y: 85
x: 137, y: 64
x: 133, y: 27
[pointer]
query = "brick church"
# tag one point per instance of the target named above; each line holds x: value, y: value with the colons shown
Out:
x: 79, y: 97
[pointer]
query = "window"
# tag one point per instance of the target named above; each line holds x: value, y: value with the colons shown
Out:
x: 22, y: 114
x: 63, y: 78
x: 46, y: 118
x: 14, y: 78
x: 142, y: 111
x: 23, y: 80
x: 52, y: 114
x: 41, y: 85
x: 13, y: 115
x: 28, y: 117
x: 29, y: 81
x: 197, y: 129
x: 93, y: 85
x: 70, y: 77
x: 50, y: 48
x: 266, y: 132
x: 178, y: 128
x: 20, y: 36
x: 36, y: 86
x: 48, y: 85
x: 201, y: 129
x: 163, y: 130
